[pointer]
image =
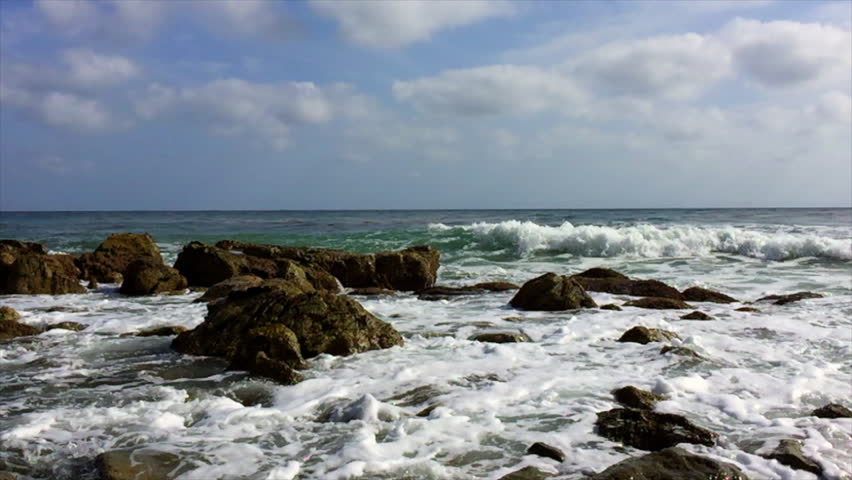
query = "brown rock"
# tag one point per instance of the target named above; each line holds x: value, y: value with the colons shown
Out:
x: 552, y: 292
x: 205, y: 265
x: 162, y: 331
x: 600, y: 272
x: 696, y: 315
x: 372, y: 291
x: 646, y: 335
x: 746, y: 309
x: 137, y: 465
x: 793, y: 297
x: 698, y: 294
x: 144, y: 277
x: 633, y: 397
x: 671, y: 464
x: 234, y: 284
x: 40, y: 274
x: 611, y: 306
x: 682, y: 351
x: 73, y: 326
x: 832, y: 410
x: 527, y: 473
x: 789, y: 452
x: 649, y: 430
x: 108, y: 262
x: 9, y: 314
x: 547, y: 451
x: 501, y: 337
x: 658, y: 303
x: 610, y: 281
x: 10, y: 329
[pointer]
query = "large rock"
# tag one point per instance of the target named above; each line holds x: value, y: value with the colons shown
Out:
x: 222, y: 289
x: 658, y: 303
x: 671, y: 464
x: 144, y: 277
x: 832, y: 410
x: 633, y: 397
x: 643, y: 335
x: 137, y: 465
x: 698, y: 294
x: 789, y: 452
x: 649, y: 430
x: 205, y: 265
x: 23, y: 272
x: 286, y: 326
x: 12, y: 249
x: 10, y: 329
x: 790, y: 298
x: 552, y: 292
x: 109, y: 261
x: 610, y: 281
x: 9, y: 314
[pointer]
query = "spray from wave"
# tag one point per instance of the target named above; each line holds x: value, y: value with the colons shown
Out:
x: 652, y: 241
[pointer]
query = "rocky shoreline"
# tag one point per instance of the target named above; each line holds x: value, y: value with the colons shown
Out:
x: 273, y: 308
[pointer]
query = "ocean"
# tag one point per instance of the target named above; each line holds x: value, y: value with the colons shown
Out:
x: 67, y: 396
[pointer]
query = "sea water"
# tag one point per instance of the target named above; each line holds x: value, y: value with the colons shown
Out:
x: 67, y: 396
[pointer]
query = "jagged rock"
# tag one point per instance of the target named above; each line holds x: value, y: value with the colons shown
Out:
x: 645, y: 335
x: 527, y: 473
x: 285, y: 327
x: 206, y: 265
x: 10, y: 329
x: 682, y: 351
x: 137, y: 465
x: 649, y: 430
x: 746, y: 309
x: 73, y: 326
x: 9, y: 314
x: 552, y: 292
x: 372, y: 291
x: 162, y: 331
x: 22, y: 272
x: 696, y: 315
x: 789, y: 452
x: 144, y: 277
x: 671, y: 464
x: 501, y: 337
x: 659, y: 303
x: 698, y: 294
x: 108, y: 262
x: 610, y: 281
x: 611, y: 306
x: 832, y: 410
x: 548, y: 451
x: 793, y: 297
x: 633, y: 397
x: 12, y: 249
x: 411, y: 269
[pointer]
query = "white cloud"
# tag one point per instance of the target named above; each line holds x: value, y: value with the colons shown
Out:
x: 245, y: 17
x: 384, y: 24
x: 90, y: 69
x: 60, y: 109
x: 71, y: 15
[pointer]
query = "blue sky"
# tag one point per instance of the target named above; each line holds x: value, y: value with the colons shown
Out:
x: 242, y: 104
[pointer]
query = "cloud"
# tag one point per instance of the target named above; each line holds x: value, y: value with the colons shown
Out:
x: 496, y: 89
x: 89, y: 69
x: 383, y: 24
x: 60, y: 109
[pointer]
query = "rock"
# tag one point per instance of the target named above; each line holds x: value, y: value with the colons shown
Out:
x: 73, y: 326
x: 832, y: 410
x: 610, y: 281
x: 600, y: 272
x: 144, y: 277
x: 411, y: 269
x: 698, y: 294
x: 493, y: 286
x: 162, y: 331
x: 682, y: 351
x: 205, y: 265
x: 428, y: 410
x: 789, y: 453
x: 8, y: 476
x: 633, y: 397
x: 746, y: 309
x: 33, y: 273
x: 658, y: 303
x: 9, y: 314
x: 93, y: 284
x: 137, y: 465
x: 527, y: 473
x: 696, y: 315
x: 276, y: 370
x: 645, y: 335
x: 415, y: 396
x: 649, y: 430
x: 108, y: 262
x: 544, y: 450
x: 372, y: 291
x: 10, y: 329
x: 793, y: 297
x: 286, y: 327
x: 501, y: 337
x: 234, y: 284
x: 671, y: 464
x: 12, y: 249
x: 445, y: 293
x: 611, y: 306
x: 552, y: 292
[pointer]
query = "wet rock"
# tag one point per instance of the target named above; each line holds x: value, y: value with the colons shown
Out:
x: 659, y: 303
x: 372, y: 291
x: 649, y: 430
x: 108, y: 262
x: 552, y: 292
x: 527, y: 473
x: 411, y: 269
x: 493, y: 286
x: 137, y: 465
x: 671, y: 464
x: 746, y: 309
x: 698, y: 294
x: 32, y: 273
x: 548, y: 451
x: 696, y: 315
x: 93, y: 284
x: 645, y: 335
x: 206, y: 265
x: 610, y: 281
x: 501, y: 337
x: 832, y: 410
x: 8, y: 476
x: 9, y: 314
x: 10, y: 329
x: 73, y: 326
x: 789, y: 453
x: 162, y: 331
x: 274, y: 369
x: 793, y: 297
x: 144, y: 277
x: 633, y: 397
x: 428, y: 410
x: 600, y: 272
x: 446, y: 293
x: 682, y: 351
x: 415, y: 396
x: 234, y: 284
x: 611, y: 306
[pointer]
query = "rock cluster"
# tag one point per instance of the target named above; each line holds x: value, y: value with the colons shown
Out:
x: 112, y: 257
x: 27, y: 268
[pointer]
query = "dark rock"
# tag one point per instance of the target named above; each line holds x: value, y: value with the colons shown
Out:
x: 8, y: 476
x: 162, y: 331
x: 544, y: 450
x: 411, y: 269
x: 793, y: 297
x: 234, y: 284
x: 108, y: 262
x: 698, y: 294
x: 10, y: 329
x: 696, y: 315
x: 73, y: 326
x: 493, y: 286
x: 552, y: 292
x: 93, y: 284
x: 32, y: 273
x: 633, y: 397
x: 428, y: 410
x: 446, y: 293
x: 611, y: 306
x: 276, y: 370
x: 11, y: 249
x: 600, y: 272
x: 649, y: 430
x: 746, y: 309
x: 610, y: 281
x: 415, y: 396
x: 372, y: 291
x: 137, y: 465
x: 658, y: 303
x: 9, y: 314
x: 682, y: 351
x: 671, y: 464
x: 832, y: 410
x: 789, y: 453
x: 645, y: 335
x: 144, y: 277
x: 501, y: 337
x: 527, y: 473
x: 205, y: 265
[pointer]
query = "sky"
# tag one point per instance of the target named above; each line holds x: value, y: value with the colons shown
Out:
x: 315, y: 104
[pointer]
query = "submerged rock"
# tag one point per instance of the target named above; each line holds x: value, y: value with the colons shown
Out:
x: 682, y: 351
x: 501, y: 337
x: 9, y: 314
x: 445, y: 293
x: 611, y: 306
x: 643, y: 335
x: 649, y: 430
x: 73, y: 326
x: 108, y: 262
x: 832, y: 410
x: 671, y: 464
x: 789, y: 453
x: 527, y: 473
x: 137, y: 465
x: 633, y: 397
x: 36, y: 273
x: 144, y: 277
x: 746, y: 309
x: 10, y: 329
x: 610, y: 281
x: 552, y: 292
x: 372, y: 291
x: 162, y: 331
x: 696, y: 315
x: 793, y: 297
x: 659, y: 303
x: 698, y: 294
x: 547, y: 451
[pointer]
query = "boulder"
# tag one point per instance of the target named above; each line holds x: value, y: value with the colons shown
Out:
x: 671, y: 464
x: 547, y: 451
x: 658, y: 303
x: 832, y: 410
x: 696, y: 315
x: 411, y: 269
x: 611, y: 306
x: 36, y: 273
x: 600, y: 272
x: 162, y: 331
x: 650, y: 430
x: 789, y: 453
x: 698, y: 294
x: 9, y: 314
x: 610, y: 281
x: 137, y: 465
x: 108, y: 262
x: 144, y: 277
x: 793, y: 297
x: 12, y: 249
x: 10, y: 329
x: 73, y: 326
x: 527, y: 473
x: 633, y: 397
x: 501, y: 337
x: 234, y: 284
x: 552, y: 292
x: 205, y: 265
x: 643, y: 335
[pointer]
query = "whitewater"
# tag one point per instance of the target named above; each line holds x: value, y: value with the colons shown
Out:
x: 66, y: 397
